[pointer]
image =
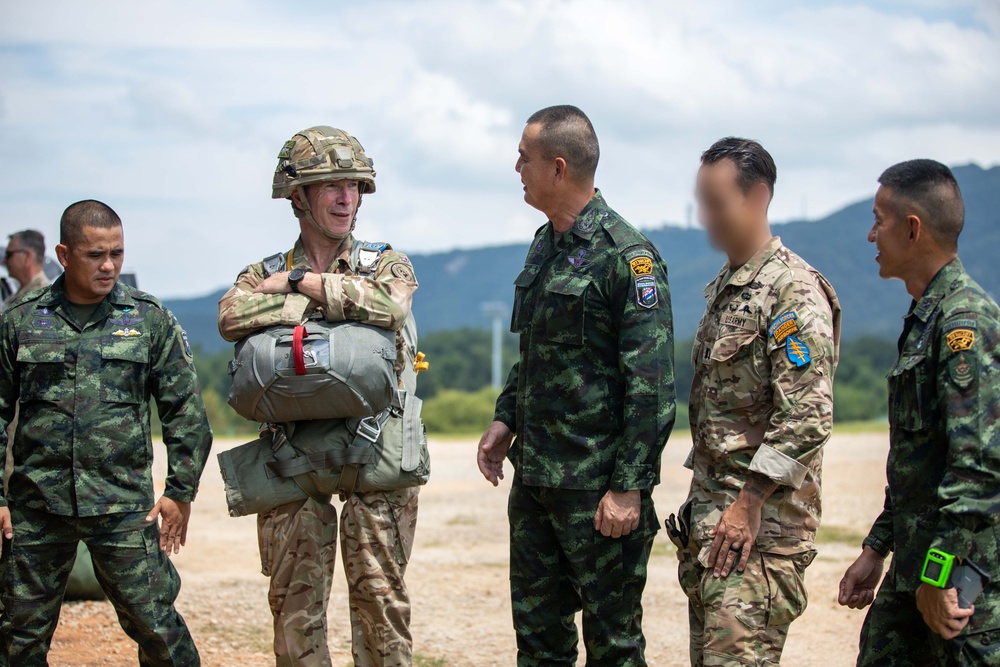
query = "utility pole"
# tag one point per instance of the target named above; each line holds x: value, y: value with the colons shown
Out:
x: 498, y: 311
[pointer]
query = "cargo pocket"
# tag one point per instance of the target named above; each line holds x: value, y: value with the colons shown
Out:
x: 403, y: 506
x: 786, y: 586
x: 42, y: 369
x: 735, y: 374
x: 564, y: 309
x: 123, y: 371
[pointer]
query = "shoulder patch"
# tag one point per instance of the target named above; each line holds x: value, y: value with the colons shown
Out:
x: 646, y: 293
x: 784, y: 326
x: 402, y: 270
x: 963, y: 370
x: 641, y: 266
x: 960, y: 340
x: 798, y: 352
x: 951, y: 325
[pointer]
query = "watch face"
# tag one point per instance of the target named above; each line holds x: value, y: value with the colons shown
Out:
x: 296, y: 274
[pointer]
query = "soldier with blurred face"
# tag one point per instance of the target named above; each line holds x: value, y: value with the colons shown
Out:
x: 942, y: 502
x: 24, y: 259
x: 324, y: 172
x: 761, y: 410
x: 86, y: 356
x: 586, y: 410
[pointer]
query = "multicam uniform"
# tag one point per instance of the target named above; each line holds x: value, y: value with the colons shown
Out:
x: 82, y: 455
x: 298, y: 540
x: 761, y: 402
x: 943, y: 472
x: 591, y: 401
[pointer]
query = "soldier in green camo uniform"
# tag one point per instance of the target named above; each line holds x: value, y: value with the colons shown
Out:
x: 761, y: 411
x: 325, y: 172
x: 86, y: 356
x: 944, y: 438
x: 591, y: 403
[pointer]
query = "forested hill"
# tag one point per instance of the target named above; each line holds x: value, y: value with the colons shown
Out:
x: 454, y: 284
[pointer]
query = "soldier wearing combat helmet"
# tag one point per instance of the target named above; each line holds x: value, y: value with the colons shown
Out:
x: 324, y: 172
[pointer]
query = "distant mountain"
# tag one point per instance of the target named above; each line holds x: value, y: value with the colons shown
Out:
x: 454, y: 284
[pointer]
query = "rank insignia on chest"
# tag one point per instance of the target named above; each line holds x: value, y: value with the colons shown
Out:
x: 783, y: 327
x: 641, y: 266
x: 798, y: 352
x: 579, y: 260
x: 43, y: 322
x: 126, y: 333
x: 646, y: 294
x: 960, y: 340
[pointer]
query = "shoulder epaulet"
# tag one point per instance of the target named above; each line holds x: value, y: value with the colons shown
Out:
x: 626, y: 237
x: 139, y: 295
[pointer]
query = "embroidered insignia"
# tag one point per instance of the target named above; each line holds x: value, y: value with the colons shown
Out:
x: 127, y: 319
x: 402, y: 271
x: 784, y: 326
x: 579, y: 260
x: 735, y: 321
x: 960, y: 340
x: 641, y: 266
x: 798, y: 352
x: 963, y: 370
x: 756, y: 285
x: 746, y: 296
x: 187, y: 345
x: 126, y: 333
x: 646, y: 294
x: 951, y: 325
x: 43, y: 322
x: 586, y: 225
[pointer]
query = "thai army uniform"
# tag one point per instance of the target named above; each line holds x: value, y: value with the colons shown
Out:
x: 591, y: 401
x: 298, y: 540
x: 761, y: 402
x: 82, y: 464
x: 943, y: 472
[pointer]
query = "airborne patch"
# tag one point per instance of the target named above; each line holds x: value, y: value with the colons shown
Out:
x: 960, y: 340
x: 963, y: 370
x: 402, y: 271
x: 641, y: 266
x: 579, y: 260
x: 126, y: 333
x: 783, y: 327
x: 646, y: 293
x: 798, y: 352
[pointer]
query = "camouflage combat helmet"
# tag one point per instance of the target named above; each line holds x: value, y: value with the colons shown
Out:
x: 317, y: 155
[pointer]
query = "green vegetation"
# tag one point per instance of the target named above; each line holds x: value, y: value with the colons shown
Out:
x: 459, y: 401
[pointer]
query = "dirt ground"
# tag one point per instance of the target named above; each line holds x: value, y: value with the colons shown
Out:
x: 458, y: 574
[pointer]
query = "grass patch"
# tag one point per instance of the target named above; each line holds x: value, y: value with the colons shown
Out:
x: 839, y: 535
x: 872, y: 426
x: 462, y: 520
x: 661, y: 548
x: 424, y: 661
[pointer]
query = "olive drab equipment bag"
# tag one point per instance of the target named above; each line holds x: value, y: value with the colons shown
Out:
x: 381, y: 450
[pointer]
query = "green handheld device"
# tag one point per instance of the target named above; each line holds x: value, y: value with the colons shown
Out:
x: 937, y: 568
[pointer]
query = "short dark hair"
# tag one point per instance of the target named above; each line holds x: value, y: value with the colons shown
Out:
x: 566, y: 132
x: 31, y: 239
x: 86, y: 213
x: 929, y: 187
x: 753, y: 164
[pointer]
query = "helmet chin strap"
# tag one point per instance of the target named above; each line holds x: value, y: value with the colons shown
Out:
x: 307, y: 214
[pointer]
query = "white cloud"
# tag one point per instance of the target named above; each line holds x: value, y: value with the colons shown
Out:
x: 173, y: 112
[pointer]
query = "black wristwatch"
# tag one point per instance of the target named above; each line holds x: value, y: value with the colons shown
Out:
x: 295, y: 277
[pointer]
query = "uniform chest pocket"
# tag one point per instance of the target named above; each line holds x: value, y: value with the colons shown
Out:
x: 521, y: 317
x: 564, y: 309
x: 910, y: 397
x: 42, y: 368
x: 123, y: 370
x: 735, y: 370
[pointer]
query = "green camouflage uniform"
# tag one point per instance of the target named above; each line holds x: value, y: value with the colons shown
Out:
x: 761, y: 402
x: 943, y: 472
x: 591, y: 401
x: 82, y: 463
x: 298, y: 540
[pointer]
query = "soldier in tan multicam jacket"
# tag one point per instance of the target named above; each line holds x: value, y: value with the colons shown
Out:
x: 324, y: 171
x: 761, y: 409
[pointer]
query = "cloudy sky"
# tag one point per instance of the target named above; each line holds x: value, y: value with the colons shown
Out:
x: 174, y: 112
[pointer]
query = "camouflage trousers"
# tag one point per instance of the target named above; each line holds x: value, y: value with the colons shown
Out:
x: 744, y: 618
x: 895, y: 635
x: 137, y: 576
x: 560, y: 565
x: 298, y: 550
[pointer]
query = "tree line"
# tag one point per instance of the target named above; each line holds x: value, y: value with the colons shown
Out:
x: 458, y: 398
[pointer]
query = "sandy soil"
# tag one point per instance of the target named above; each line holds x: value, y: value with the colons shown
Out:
x: 458, y: 574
